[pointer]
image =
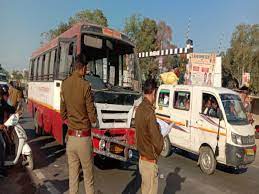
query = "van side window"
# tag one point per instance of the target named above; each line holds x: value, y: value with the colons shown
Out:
x: 182, y: 100
x: 163, y: 99
x: 210, y: 105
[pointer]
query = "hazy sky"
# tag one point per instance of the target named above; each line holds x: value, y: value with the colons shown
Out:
x: 22, y: 21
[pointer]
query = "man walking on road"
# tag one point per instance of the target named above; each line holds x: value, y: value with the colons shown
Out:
x: 149, y: 139
x: 77, y: 107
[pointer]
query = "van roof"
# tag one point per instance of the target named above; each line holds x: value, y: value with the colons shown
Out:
x: 219, y: 90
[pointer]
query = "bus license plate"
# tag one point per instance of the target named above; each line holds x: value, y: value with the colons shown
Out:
x: 249, y: 152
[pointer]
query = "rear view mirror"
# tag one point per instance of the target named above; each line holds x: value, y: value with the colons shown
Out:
x: 220, y: 114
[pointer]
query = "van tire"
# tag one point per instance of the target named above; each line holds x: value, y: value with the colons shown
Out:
x: 207, y: 160
x: 166, y: 148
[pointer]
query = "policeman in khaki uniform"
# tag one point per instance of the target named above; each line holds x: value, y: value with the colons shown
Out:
x: 77, y: 107
x: 15, y: 96
x: 149, y: 139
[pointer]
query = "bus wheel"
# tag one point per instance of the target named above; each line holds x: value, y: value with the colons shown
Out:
x: 167, y: 147
x: 207, y: 160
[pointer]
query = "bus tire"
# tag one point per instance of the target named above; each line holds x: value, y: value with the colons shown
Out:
x: 166, y: 148
x: 207, y: 160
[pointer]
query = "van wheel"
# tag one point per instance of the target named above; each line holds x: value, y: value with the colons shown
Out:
x: 167, y: 147
x: 207, y: 160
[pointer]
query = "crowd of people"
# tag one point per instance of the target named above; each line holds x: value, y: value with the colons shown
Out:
x: 11, y: 99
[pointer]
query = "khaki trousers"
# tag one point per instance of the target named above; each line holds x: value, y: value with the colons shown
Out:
x: 79, y: 151
x: 149, y: 175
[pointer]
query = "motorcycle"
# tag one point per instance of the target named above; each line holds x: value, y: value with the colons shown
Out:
x: 21, y: 146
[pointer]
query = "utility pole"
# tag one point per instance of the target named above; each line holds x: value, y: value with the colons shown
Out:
x: 188, y: 29
x: 220, y: 43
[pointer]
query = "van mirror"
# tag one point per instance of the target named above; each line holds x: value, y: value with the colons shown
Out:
x: 220, y: 114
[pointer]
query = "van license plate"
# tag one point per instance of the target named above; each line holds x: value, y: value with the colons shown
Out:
x: 249, y: 152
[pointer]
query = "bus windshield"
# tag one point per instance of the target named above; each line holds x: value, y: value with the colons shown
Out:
x: 111, y: 64
x: 234, y: 109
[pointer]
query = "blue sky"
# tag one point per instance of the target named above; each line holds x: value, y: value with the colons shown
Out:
x: 22, y: 21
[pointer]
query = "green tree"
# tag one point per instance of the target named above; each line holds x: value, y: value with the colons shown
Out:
x: 92, y: 16
x: 96, y: 17
x: 16, y: 75
x: 132, y: 27
x: 142, y: 32
x: 164, y: 41
x: 147, y: 42
x: 243, y: 54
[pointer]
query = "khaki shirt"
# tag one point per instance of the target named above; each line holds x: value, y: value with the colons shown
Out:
x: 14, y: 96
x: 150, y: 142
x: 77, y: 105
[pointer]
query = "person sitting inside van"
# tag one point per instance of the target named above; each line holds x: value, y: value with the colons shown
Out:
x: 207, y: 107
x: 214, y: 109
x: 232, y: 110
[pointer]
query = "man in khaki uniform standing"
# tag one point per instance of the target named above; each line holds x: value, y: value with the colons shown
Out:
x: 149, y: 139
x: 15, y: 96
x: 77, y: 107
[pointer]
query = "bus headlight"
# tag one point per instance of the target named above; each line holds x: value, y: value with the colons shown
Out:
x: 237, y: 139
x: 130, y: 154
x: 102, y: 144
x: 132, y: 123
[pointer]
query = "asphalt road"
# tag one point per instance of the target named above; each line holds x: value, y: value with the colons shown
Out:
x: 178, y: 174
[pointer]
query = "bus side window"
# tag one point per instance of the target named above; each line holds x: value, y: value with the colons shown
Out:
x: 42, y: 67
x: 51, y: 64
x: 35, y: 73
x: 31, y: 69
x: 46, y: 67
x: 39, y: 68
x: 63, y: 69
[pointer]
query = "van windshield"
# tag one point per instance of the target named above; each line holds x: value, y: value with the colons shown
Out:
x: 234, y: 109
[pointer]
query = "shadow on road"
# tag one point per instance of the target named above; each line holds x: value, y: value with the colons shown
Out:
x: 221, y: 167
x: 104, y: 163
x: 134, y: 185
x: 231, y: 170
x: 174, y: 182
x: 45, y: 150
x: 61, y: 186
x: 18, y: 181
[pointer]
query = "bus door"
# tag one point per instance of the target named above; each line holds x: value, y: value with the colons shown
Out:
x: 63, y: 67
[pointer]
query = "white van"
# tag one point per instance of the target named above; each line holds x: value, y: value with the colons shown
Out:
x: 209, y: 122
